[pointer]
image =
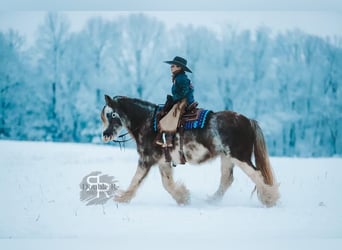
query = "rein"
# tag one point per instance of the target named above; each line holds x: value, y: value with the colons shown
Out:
x: 122, y: 140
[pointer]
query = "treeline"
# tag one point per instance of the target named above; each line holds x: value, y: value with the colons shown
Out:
x: 290, y: 82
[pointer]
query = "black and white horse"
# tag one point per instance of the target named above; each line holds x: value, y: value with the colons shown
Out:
x: 228, y: 135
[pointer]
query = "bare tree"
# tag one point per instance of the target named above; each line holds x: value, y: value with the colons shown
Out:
x: 140, y: 53
x: 11, y: 78
x: 53, y: 34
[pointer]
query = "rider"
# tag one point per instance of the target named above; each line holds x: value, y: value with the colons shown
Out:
x: 182, y: 97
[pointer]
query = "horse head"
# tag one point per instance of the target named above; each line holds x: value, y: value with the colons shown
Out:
x: 112, y: 122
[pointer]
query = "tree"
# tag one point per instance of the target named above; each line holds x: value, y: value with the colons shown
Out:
x: 53, y: 34
x: 199, y: 46
x: 289, y: 82
x: 139, y: 57
x: 236, y: 70
x: 12, y: 75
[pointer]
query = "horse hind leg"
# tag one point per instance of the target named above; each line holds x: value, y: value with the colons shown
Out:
x: 226, y: 181
x: 268, y: 195
x: 177, y: 190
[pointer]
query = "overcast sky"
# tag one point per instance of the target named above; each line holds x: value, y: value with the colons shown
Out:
x: 318, y: 17
x: 284, y: 5
x: 322, y: 23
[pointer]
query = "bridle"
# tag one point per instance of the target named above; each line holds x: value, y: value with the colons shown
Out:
x: 121, y: 138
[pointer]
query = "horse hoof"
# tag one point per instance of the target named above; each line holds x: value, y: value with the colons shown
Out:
x: 268, y: 195
x: 181, y: 195
x: 122, y: 197
x: 213, y: 199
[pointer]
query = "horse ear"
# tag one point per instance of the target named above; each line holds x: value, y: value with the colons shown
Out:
x: 108, y: 100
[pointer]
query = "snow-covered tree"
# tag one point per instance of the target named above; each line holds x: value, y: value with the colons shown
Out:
x: 51, y: 45
x: 139, y: 58
x: 290, y: 81
x: 12, y: 70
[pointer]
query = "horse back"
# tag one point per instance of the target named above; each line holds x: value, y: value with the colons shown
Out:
x: 236, y: 132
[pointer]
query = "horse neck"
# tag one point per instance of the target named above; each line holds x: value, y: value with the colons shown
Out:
x: 137, y: 112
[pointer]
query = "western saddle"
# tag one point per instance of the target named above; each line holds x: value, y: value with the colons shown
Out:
x: 172, y: 121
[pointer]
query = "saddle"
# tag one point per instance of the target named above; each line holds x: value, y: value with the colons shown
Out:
x: 179, y: 118
x: 191, y: 112
x: 191, y: 117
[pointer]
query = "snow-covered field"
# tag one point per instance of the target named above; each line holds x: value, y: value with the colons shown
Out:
x: 41, y: 207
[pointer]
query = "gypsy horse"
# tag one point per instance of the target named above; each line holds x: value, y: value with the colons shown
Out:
x: 226, y: 134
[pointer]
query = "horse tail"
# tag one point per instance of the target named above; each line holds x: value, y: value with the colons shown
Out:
x: 261, y: 156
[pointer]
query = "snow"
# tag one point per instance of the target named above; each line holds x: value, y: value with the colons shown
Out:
x: 41, y: 208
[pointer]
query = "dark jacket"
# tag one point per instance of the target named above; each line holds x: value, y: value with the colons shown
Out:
x: 182, y: 88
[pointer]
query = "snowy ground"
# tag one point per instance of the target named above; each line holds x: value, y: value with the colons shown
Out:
x: 41, y: 208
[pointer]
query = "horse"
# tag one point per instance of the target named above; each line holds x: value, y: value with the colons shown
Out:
x: 226, y: 134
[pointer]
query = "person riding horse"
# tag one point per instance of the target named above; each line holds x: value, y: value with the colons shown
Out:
x: 182, y: 98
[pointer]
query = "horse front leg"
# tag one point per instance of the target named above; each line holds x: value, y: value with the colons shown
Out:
x: 140, y: 174
x: 177, y: 190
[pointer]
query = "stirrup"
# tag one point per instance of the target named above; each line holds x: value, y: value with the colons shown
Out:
x: 164, y: 142
x: 167, y: 142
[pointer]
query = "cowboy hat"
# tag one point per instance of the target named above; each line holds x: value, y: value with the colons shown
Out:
x: 179, y: 61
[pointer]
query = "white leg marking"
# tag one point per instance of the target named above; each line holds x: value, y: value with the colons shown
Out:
x: 268, y: 195
x: 126, y: 196
x: 177, y: 190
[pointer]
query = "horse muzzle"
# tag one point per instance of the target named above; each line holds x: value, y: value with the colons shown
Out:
x: 107, y: 137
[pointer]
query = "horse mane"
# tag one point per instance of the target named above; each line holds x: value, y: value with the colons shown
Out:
x: 140, y: 102
x: 138, y: 110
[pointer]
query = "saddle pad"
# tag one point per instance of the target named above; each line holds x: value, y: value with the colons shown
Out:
x: 197, y: 123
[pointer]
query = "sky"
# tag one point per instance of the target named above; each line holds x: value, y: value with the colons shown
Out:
x: 321, y: 23
x: 188, y: 5
x: 318, y: 17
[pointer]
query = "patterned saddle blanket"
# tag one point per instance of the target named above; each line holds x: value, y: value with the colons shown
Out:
x: 194, y: 119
